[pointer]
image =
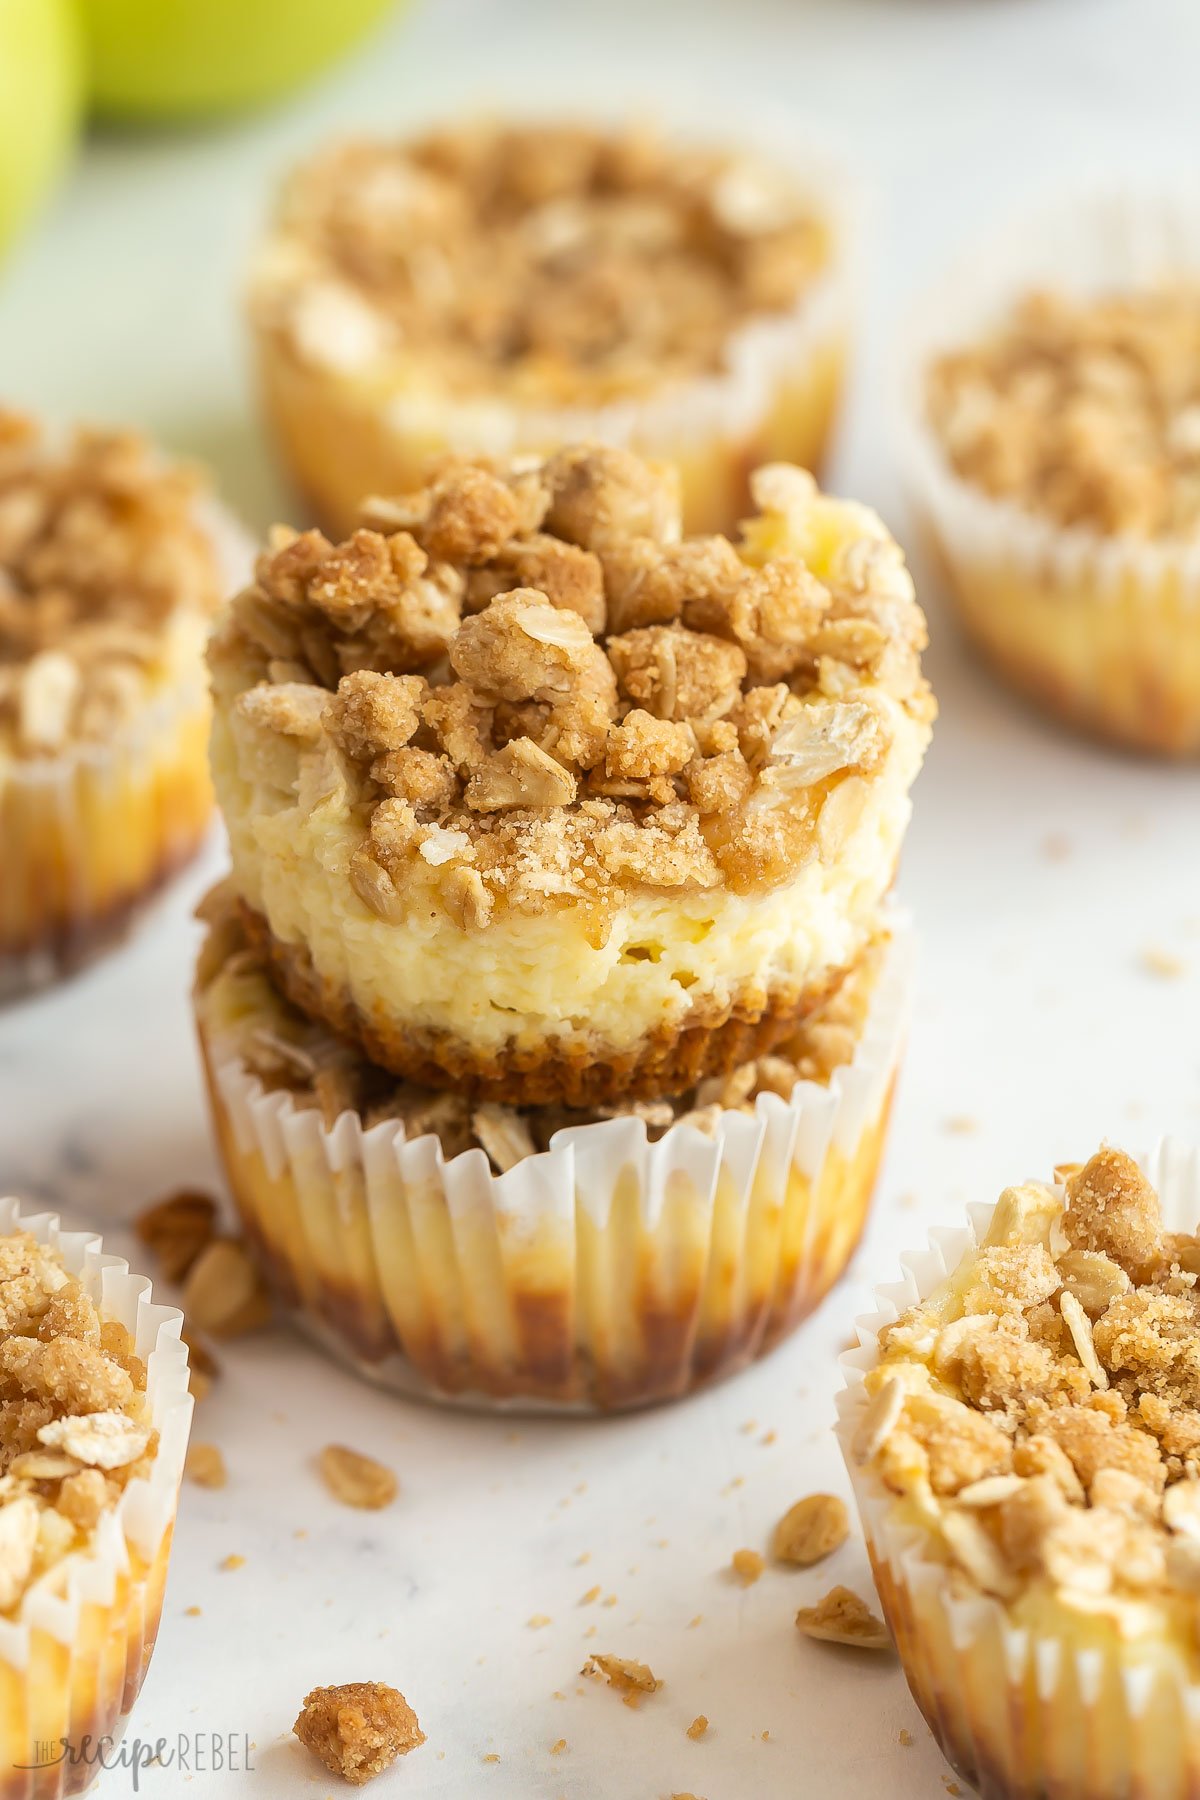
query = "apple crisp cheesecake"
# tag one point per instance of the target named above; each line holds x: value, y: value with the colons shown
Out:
x: 1054, y: 452
x: 1024, y: 1438
x: 499, y: 287
x: 528, y: 793
x: 606, y: 1256
x: 94, y: 1419
x: 111, y: 570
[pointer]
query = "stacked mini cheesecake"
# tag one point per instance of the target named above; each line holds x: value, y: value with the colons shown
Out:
x: 552, y: 1006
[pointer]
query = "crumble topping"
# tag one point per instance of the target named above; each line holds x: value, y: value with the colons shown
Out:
x: 559, y: 263
x: 1084, y: 410
x: 99, y: 547
x: 291, y: 1053
x: 689, y: 715
x: 1041, y: 1411
x: 74, y: 1427
x: 358, y: 1729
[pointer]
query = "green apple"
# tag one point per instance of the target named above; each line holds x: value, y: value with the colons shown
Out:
x: 40, y: 96
x: 181, y: 59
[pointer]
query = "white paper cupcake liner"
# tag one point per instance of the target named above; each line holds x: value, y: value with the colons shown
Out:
x: 91, y: 833
x: 1104, y: 630
x: 606, y: 1271
x: 73, y: 1654
x: 1023, y: 1715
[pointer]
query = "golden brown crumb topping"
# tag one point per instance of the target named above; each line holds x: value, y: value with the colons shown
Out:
x: 685, y: 714
x: 358, y: 1729
x: 1042, y: 1408
x: 1084, y: 410
x: 73, y: 1421
x: 99, y: 547
x: 549, y: 262
x: 289, y: 1052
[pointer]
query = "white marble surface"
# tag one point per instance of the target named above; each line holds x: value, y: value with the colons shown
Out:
x: 1037, y: 1022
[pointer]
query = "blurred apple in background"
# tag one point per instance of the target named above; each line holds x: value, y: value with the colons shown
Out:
x: 159, y: 60
x: 40, y: 98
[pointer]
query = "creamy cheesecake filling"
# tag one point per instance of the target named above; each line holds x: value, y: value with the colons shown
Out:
x: 657, y: 959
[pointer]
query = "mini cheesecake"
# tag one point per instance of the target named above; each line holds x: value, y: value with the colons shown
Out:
x: 530, y: 794
x: 112, y: 565
x: 1023, y: 1430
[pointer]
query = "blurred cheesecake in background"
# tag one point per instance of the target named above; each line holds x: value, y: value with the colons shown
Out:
x: 112, y: 564
x: 1052, y: 446
x: 494, y: 287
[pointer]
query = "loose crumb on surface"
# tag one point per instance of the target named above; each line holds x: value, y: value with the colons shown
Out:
x: 206, y: 1466
x: 623, y: 1673
x: 234, y: 1561
x: 537, y: 1620
x: 491, y: 1757
x: 747, y: 1565
x: 593, y: 1593
x: 556, y: 1749
x: 810, y: 1530
x: 355, y: 1479
x: 357, y: 1729
x: 961, y: 1125
x: 906, y: 1739
x: 841, y: 1617
x: 1168, y: 967
x: 698, y: 1726
x: 191, y: 1612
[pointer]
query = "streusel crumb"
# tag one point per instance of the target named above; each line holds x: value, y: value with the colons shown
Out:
x: 100, y: 545
x: 358, y: 1729
x: 74, y: 1426
x: 658, y: 713
x: 550, y: 262
x: 1043, y: 1409
x: 1084, y: 410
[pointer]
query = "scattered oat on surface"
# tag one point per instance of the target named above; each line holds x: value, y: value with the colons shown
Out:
x: 747, y: 1565
x: 355, y: 1479
x: 841, y: 1617
x: 357, y: 1729
x: 224, y: 1293
x: 1163, y: 963
x: 205, y: 1466
x: 810, y: 1530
